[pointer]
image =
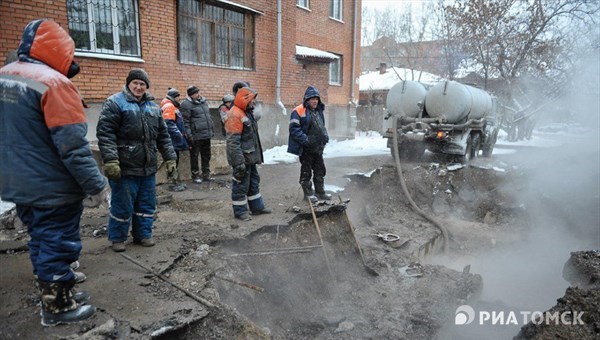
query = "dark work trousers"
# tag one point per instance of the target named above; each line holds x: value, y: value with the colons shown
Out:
x: 246, y: 193
x: 55, y: 240
x: 202, y: 147
x: 132, y: 202
x: 312, y: 166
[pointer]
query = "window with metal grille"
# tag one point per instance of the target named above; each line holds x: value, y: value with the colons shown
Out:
x: 302, y: 3
x: 210, y: 34
x: 335, y: 9
x: 335, y: 71
x: 105, y: 26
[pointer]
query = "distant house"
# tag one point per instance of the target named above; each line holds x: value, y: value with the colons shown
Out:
x: 210, y: 44
x: 429, y: 56
x: 374, y: 86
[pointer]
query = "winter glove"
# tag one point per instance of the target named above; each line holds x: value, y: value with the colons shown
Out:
x: 94, y: 201
x: 112, y: 170
x: 239, y: 172
x: 171, y: 168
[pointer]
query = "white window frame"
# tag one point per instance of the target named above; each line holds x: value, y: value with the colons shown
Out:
x: 333, y: 6
x: 116, y: 51
x: 337, y: 63
x: 303, y: 4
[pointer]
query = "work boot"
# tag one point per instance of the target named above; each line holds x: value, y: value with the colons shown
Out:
x: 59, y: 306
x: 245, y: 216
x: 176, y: 187
x: 118, y: 246
x: 196, y: 177
x: 145, y: 242
x: 79, y: 277
x: 80, y: 297
x: 320, y: 190
x: 262, y: 211
x: 309, y: 193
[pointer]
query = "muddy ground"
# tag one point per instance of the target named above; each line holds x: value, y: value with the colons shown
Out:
x: 279, y: 276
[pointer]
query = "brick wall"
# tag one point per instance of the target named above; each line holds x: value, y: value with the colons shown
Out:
x: 102, y: 77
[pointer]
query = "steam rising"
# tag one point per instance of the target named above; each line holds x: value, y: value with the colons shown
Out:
x: 562, y: 205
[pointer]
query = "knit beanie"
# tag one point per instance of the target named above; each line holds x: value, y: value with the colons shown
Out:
x: 192, y: 89
x: 228, y: 98
x: 138, y: 73
x: 173, y: 93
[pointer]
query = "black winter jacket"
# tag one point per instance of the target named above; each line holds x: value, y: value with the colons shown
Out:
x: 133, y: 132
x: 196, y: 119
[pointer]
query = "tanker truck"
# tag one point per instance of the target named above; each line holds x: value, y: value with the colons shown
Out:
x: 449, y: 118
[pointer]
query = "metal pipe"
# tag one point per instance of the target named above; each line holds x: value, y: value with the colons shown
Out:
x: 314, y: 216
x: 278, y: 102
x: 186, y: 292
x: 277, y: 251
x: 352, y: 99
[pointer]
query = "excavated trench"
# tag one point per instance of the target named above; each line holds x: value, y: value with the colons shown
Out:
x: 293, y: 278
x: 293, y: 283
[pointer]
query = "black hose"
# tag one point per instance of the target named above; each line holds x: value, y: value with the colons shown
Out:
x: 407, y: 193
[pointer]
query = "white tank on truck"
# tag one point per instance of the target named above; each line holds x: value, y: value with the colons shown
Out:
x: 403, y: 98
x: 456, y: 119
x: 455, y: 102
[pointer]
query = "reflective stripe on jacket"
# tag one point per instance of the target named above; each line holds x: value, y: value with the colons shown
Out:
x: 45, y: 158
x: 243, y: 140
x: 133, y: 132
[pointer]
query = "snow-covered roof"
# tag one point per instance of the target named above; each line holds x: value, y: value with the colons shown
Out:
x: 240, y: 6
x: 307, y: 52
x: 374, y: 81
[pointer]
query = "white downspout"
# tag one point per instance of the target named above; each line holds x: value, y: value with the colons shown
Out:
x: 352, y: 98
x: 278, y: 102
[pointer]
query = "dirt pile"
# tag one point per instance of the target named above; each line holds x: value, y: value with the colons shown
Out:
x: 580, y: 305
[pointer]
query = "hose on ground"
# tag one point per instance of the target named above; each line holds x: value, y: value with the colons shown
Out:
x: 423, y: 214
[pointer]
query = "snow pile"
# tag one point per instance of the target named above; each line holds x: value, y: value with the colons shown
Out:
x: 363, y: 144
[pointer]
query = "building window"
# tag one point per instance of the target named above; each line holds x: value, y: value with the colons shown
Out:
x: 335, y: 71
x: 335, y: 9
x: 210, y: 34
x: 105, y: 26
x: 302, y: 3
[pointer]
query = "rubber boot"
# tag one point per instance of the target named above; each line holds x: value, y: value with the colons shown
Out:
x: 80, y: 297
x: 320, y: 190
x: 309, y: 194
x: 59, y: 306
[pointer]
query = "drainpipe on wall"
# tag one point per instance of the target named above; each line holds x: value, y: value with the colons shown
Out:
x: 352, y: 98
x: 278, y: 102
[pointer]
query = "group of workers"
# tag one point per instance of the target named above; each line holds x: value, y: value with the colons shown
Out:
x: 49, y: 172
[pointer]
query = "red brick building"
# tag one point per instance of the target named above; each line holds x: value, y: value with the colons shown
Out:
x: 210, y: 44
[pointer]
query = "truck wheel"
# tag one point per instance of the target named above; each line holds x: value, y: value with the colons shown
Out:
x: 404, y: 150
x: 486, y: 151
x: 488, y: 146
x: 476, y: 145
x: 416, y: 151
x: 468, y: 152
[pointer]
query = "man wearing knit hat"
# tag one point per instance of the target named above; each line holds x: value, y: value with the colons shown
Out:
x: 130, y: 130
x: 172, y: 116
x: 199, y: 129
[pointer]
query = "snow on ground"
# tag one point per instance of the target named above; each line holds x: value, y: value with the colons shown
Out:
x: 5, y: 206
x: 363, y: 144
